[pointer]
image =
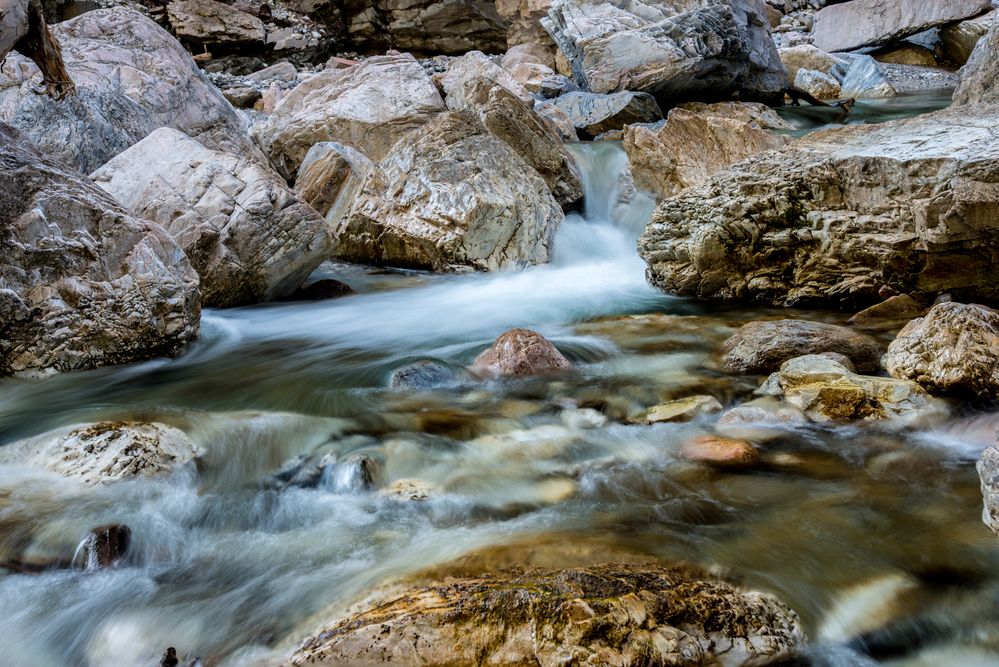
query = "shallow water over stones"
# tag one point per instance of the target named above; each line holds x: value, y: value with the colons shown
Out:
x: 318, y: 481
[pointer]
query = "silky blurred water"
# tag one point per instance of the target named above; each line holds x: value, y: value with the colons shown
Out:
x: 235, y: 561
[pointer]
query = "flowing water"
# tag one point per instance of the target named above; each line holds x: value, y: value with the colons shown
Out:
x: 858, y: 528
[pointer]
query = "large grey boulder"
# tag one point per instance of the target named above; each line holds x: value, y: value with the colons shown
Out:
x: 249, y: 236
x: 368, y: 106
x: 761, y: 347
x: 594, y: 113
x: 82, y: 282
x: 865, y: 78
x: 980, y: 77
x: 835, y: 216
x: 131, y: 78
x: 451, y: 197
x: 953, y: 349
x: 698, y: 140
x: 851, y: 25
x: 675, y: 51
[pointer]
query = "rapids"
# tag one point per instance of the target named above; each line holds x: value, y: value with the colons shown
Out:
x: 872, y: 534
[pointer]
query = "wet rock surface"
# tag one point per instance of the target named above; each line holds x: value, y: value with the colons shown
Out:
x: 520, y: 352
x: 761, y: 347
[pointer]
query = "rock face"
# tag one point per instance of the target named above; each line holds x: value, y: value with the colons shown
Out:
x: 82, y: 282
x: 959, y: 40
x: 673, y: 50
x: 329, y: 171
x: 451, y: 197
x: 988, y: 470
x: 980, y: 77
x: 953, y: 349
x: 761, y: 347
x: 594, y: 114
x: 23, y: 28
x: 698, y: 140
x: 827, y: 391
x: 627, y: 615
x: 131, y: 78
x: 840, y: 213
x: 520, y: 352
x: 249, y: 237
x: 104, y: 452
x: 852, y: 25
x: 368, y: 107
x: 214, y: 24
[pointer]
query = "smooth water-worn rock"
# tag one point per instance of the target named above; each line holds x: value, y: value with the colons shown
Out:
x: 817, y: 84
x: 959, y: 40
x: 329, y: 171
x: 719, y: 451
x: 209, y: 23
x: 988, y: 470
x: 131, y: 78
x: 609, y: 614
x: 807, y: 56
x: 675, y: 51
x: 954, y: 349
x: 850, y: 25
x: 827, y: 391
x: 897, y: 309
x: 104, y: 452
x: 837, y: 215
x: 698, y: 140
x: 424, y: 374
x: 761, y: 347
x: 866, y: 78
x: 82, y: 282
x: 368, y: 107
x: 520, y: 352
x: 248, y: 235
x: 980, y: 76
x: 451, y: 197
x: 594, y: 114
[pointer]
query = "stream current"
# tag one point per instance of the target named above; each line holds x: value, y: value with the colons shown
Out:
x: 858, y: 528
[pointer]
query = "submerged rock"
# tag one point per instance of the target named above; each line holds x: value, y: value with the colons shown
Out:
x: 82, y: 282
x: 131, y: 78
x: 683, y: 409
x: 520, y: 352
x: 761, y: 347
x: 104, y: 452
x: 832, y: 218
x: 246, y: 232
x: 953, y: 349
x: 718, y: 451
x: 328, y: 171
x: 452, y: 197
x: 610, y: 614
x: 424, y: 374
x: 105, y: 546
x: 326, y: 288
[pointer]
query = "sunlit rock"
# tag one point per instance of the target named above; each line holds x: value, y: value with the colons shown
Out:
x: 520, y: 352
x: 683, y: 409
x: 719, y: 451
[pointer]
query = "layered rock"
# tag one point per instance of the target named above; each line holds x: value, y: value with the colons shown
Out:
x: 852, y: 25
x: 953, y: 349
x: 82, y: 282
x: 368, y: 106
x: 988, y: 470
x: 593, y: 114
x: 104, y: 452
x: 980, y: 77
x: 209, y: 23
x: 761, y: 347
x: 463, y: 85
x: 610, y: 614
x: 451, y: 197
x: 840, y: 213
x: 248, y: 235
x: 520, y: 352
x: 675, y: 51
x: 131, y: 78
x: 331, y: 172
x: 698, y: 140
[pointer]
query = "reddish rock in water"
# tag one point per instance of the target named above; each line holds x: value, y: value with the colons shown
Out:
x: 715, y: 450
x: 518, y: 353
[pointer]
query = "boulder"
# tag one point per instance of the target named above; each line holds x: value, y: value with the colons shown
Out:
x: 607, y: 614
x: 594, y: 114
x: 762, y: 418
x: 899, y: 308
x: 988, y: 470
x: 696, y: 141
x: 806, y: 56
x: 329, y: 171
x: 248, y: 235
x: 851, y: 25
x: 368, y: 107
x: 761, y: 347
x: 980, y: 76
x: 452, y: 197
x: 866, y: 78
x: 840, y: 213
x: 105, y: 452
x: 131, y: 78
x: 558, y: 118
x: 678, y: 50
x: 958, y: 40
x: 827, y: 391
x: 23, y: 29
x: 683, y: 409
x: 953, y: 349
x: 208, y: 23
x: 463, y: 86
x: 817, y: 84
x: 82, y: 282
x: 718, y: 451
x: 520, y: 352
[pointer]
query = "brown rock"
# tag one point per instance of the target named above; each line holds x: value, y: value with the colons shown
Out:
x: 888, y: 312
x: 761, y: 347
x: 520, y: 352
x: 683, y: 409
x: 716, y: 450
